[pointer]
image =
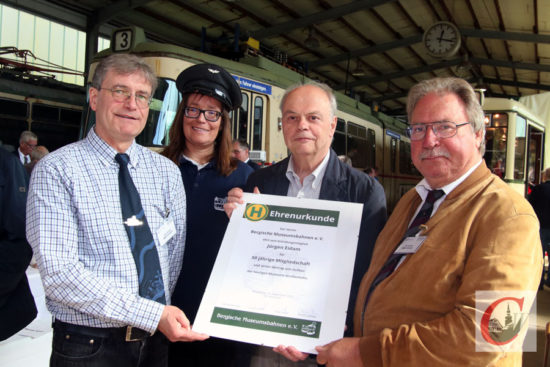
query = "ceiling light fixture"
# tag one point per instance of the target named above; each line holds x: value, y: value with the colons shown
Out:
x: 312, y: 41
x: 358, y: 71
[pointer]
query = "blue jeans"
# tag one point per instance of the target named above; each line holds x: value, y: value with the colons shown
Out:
x: 80, y: 346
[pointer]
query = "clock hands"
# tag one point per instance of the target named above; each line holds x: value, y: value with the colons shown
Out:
x: 441, y: 39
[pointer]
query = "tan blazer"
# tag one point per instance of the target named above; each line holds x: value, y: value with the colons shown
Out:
x: 484, y: 236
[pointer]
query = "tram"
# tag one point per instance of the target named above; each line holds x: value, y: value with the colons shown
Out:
x: 515, y: 143
x: 50, y: 109
x: 367, y: 138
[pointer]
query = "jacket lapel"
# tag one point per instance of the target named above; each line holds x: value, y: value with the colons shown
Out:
x: 333, y: 186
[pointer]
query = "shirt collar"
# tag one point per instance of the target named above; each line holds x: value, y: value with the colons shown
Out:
x: 195, y: 163
x: 317, y: 174
x: 107, y: 153
x: 21, y: 155
x: 423, y: 187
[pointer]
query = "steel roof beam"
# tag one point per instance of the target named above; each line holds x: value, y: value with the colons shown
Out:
x: 316, y: 18
x: 400, y: 74
x: 512, y: 83
x: 119, y: 7
x: 366, y: 51
x: 506, y: 36
x: 510, y: 64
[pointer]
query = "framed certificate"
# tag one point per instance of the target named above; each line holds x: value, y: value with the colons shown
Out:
x: 283, y: 273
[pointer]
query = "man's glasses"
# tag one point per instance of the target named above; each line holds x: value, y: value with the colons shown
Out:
x: 441, y: 129
x: 30, y: 145
x: 209, y: 115
x: 143, y: 100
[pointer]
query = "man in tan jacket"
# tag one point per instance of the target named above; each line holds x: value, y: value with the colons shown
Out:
x: 477, y: 235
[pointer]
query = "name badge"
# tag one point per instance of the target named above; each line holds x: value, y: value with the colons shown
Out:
x: 166, y: 231
x: 410, y: 245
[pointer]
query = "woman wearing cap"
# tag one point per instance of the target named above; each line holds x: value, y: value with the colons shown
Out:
x: 201, y: 144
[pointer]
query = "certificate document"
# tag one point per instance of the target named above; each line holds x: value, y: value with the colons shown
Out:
x: 283, y: 272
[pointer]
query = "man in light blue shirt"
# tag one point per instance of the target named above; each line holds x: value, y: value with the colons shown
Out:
x: 75, y: 227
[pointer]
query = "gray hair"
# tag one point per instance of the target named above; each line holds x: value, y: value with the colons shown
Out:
x: 124, y: 64
x: 27, y: 135
x: 546, y: 175
x: 462, y: 89
x: 325, y: 88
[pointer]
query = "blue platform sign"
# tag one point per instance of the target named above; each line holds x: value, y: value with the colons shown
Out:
x: 393, y: 134
x: 252, y: 85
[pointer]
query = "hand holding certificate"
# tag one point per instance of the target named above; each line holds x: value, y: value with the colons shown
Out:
x: 283, y: 273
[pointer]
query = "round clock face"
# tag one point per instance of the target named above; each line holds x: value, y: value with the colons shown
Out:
x: 442, y: 39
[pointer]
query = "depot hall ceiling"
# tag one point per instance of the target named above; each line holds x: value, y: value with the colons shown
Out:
x: 373, y: 49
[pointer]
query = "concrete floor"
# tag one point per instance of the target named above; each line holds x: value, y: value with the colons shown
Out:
x: 536, y: 359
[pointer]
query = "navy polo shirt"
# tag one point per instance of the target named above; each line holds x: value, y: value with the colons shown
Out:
x: 206, y: 192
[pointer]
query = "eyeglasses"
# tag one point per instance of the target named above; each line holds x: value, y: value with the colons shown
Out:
x: 209, y: 115
x: 143, y: 100
x: 441, y: 129
x: 30, y: 145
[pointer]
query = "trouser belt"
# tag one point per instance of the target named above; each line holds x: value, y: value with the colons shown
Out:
x: 127, y: 333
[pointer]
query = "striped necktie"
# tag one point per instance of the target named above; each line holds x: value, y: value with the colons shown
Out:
x: 422, y: 217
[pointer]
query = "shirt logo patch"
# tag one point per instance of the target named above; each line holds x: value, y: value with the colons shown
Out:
x: 218, y: 203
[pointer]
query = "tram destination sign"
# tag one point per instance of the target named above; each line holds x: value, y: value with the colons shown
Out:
x: 253, y: 85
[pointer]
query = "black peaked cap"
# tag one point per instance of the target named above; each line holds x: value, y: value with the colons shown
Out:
x: 210, y: 80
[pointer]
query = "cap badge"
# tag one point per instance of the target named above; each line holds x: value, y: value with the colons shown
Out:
x: 213, y: 71
x: 219, y: 92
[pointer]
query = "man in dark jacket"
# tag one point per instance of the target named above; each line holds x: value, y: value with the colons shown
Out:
x: 540, y: 200
x: 314, y: 171
x: 17, y: 308
x: 241, y: 151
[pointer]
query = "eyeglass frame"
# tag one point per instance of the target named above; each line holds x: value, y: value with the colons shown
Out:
x: 33, y: 146
x: 436, y: 133
x: 186, y: 113
x: 127, y: 95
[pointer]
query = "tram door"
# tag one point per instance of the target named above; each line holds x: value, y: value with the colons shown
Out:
x: 248, y: 123
x: 534, y: 156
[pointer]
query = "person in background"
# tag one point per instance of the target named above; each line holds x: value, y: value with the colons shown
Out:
x: 540, y: 200
x: 372, y: 172
x: 27, y: 142
x: 200, y: 143
x: 471, y: 232
x: 37, y: 154
x: 345, y: 159
x: 241, y: 151
x: 106, y: 219
x: 17, y: 307
x: 314, y: 171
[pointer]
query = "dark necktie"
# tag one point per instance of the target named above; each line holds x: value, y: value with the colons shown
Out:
x: 422, y: 217
x: 142, y: 244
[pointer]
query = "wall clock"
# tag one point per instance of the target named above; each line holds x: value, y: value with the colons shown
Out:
x: 442, y: 39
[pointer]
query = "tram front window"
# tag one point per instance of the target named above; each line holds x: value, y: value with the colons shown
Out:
x: 496, y: 125
x: 519, y: 156
x: 162, y: 111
